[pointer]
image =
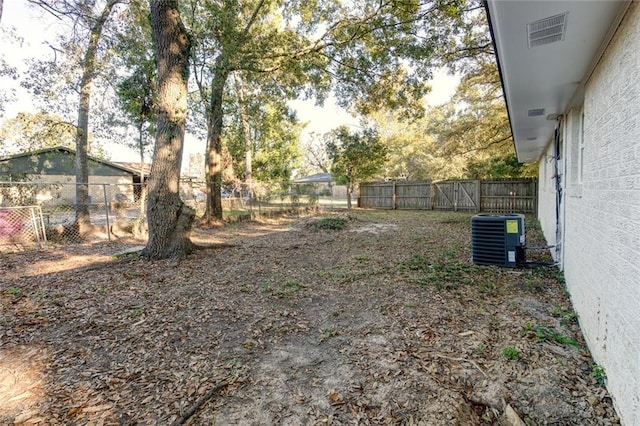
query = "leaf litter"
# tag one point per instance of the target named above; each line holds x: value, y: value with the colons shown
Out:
x: 382, y: 321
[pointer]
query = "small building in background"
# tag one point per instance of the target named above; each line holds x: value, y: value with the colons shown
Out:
x: 53, y: 171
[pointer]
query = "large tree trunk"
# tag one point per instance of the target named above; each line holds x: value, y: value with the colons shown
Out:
x: 82, y: 134
x: 213, y: 161
x: 246, y: 133
x: 169, y: 219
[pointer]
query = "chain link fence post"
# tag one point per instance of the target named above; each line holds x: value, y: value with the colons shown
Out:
x: 106, y: 210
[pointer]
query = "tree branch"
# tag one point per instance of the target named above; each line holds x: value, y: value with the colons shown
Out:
x: 487, y: 146
x: 254, y: 15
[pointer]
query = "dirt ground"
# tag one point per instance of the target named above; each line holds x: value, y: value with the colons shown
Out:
x: 282, y: 322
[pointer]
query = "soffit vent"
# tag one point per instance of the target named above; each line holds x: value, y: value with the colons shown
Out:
x: 547, y: 30
x: 535, y: 112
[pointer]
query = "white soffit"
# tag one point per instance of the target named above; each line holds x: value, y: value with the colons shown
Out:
x: 546, y: 51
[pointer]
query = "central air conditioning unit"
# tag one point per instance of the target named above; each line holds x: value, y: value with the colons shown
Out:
x: 498, y: 239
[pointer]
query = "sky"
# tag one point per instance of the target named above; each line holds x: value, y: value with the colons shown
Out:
x: 35, y: 27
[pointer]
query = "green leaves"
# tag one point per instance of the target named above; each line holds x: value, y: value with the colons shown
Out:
x: 543, y: 333
x: 28, y: 132
x: 356, y: 156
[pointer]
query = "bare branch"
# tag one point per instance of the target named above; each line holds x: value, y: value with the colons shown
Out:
x: 482, y: 148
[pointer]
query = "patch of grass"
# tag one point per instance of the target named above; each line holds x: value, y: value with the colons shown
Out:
x: 363, y: 259
x: 329, y: 332
x: 283, y: 289
x: 13, y: 291
x: 448, y: 273
x: 566, y: 316
x: 598, y: 372
x: 328, y: 224
x: 451, y: 252
x: 533, y: 283
x: 338, y: 277
x: 543, y: 333
x: 416, y: 263
x: 236, y: 367
x: 511, y: 353
x: 136, y: 312
x: 488, y: 287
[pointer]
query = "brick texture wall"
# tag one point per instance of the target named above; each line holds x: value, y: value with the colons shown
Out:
x: 601, y: 216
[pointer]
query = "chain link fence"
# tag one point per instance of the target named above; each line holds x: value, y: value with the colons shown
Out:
x: 118, y: 211
x: 112, y: 211
x: 22, y: 228
x: 265, y: 198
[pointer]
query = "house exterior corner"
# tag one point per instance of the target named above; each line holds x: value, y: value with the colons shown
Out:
x: 596, y: 224
x: 569, y: 71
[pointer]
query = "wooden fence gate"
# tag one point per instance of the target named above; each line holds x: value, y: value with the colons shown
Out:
x: 489, y: 195
x: 457, y: 195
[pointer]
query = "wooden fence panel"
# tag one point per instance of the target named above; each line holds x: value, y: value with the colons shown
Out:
x: 467, y: 194
x: 413, y: 195
x: 378, y: 195
x: 493, y: 195
x: 509, y: 195
x: 443, y: 196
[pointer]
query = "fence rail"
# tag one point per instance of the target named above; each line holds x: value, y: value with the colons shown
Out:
x: 489, y: 195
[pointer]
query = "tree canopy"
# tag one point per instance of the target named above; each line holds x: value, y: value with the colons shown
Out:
x: 374, y: 58
x: 28, y: 132
x: 367, y: 53
x: 355, y: 156
x: 466, y: 137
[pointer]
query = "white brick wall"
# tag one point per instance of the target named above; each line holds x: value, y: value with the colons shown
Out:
x: 547, y: 196
x: 601, y: 226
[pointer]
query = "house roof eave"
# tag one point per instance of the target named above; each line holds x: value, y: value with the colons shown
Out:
x: 70, y: 151
x: 543, y: 81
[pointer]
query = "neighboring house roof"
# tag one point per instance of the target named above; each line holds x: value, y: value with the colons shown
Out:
x: 546, y: 52
x: 316, y: 178
x: 40, y: 166
x: 134, y: 167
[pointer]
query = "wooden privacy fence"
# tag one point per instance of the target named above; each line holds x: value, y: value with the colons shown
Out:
x: 489, y: 195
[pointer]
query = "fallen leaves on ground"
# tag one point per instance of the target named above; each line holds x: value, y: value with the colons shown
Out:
x: 383, y: 321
